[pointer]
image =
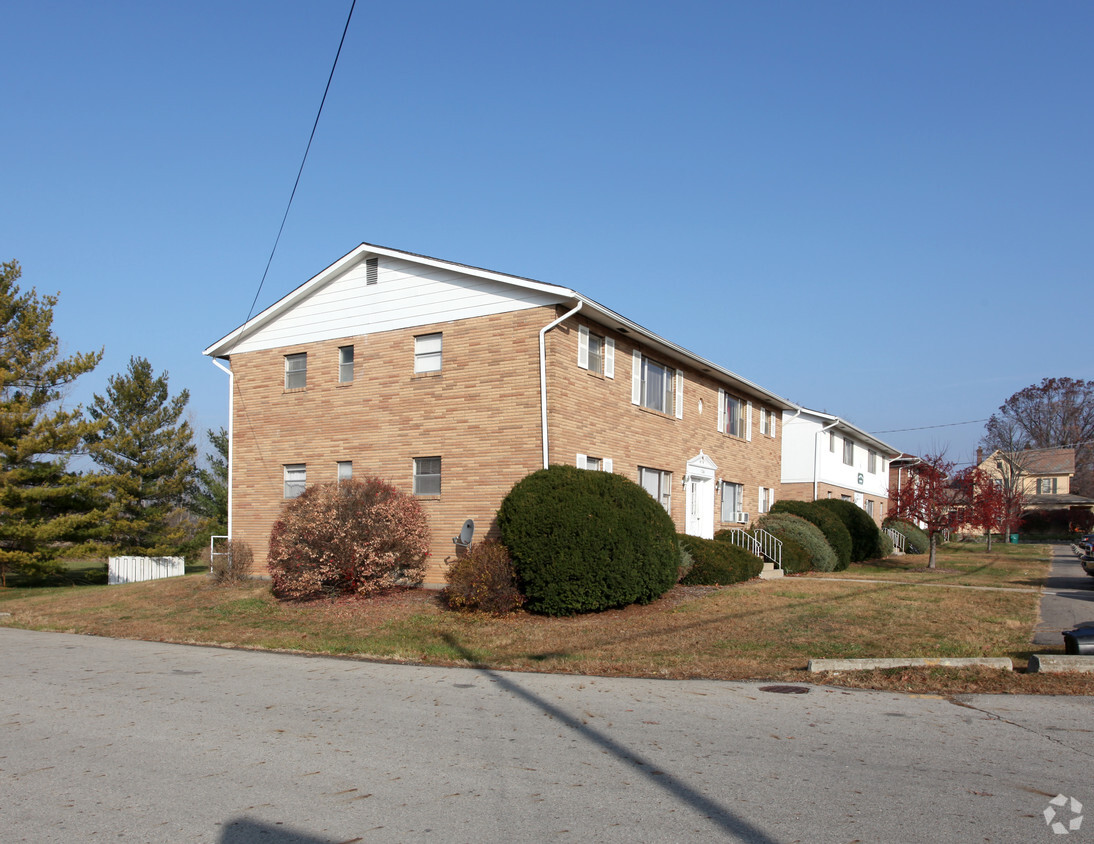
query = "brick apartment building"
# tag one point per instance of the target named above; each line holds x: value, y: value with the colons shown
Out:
x: 454, y: 382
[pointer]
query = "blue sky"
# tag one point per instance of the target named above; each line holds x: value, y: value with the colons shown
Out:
x: 881, y: 210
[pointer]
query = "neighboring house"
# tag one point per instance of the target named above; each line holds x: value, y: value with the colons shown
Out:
x: 827, y: 457
x: 454, y: 382
x: 1042, y: 474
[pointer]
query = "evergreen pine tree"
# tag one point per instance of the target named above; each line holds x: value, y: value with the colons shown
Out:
x: 148, y: 453
x: 211, y: 490
x: 42, y: 503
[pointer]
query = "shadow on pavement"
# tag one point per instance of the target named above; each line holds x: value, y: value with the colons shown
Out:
x: 248, y: 831
x: 719, y: 815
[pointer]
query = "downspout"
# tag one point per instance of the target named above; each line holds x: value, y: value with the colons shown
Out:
x: 543, y: 375
x: 231, y: 439
x: 816, y: 454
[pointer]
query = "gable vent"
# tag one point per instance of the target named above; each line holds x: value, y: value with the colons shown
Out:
x: 372, y: 267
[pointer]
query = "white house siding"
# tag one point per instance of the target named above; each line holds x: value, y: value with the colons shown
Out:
x: 404, y: 296
x: 802, y: 445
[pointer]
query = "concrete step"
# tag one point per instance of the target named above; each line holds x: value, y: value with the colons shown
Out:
x: 769, y: 572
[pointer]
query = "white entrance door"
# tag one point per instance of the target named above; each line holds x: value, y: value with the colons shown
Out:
x: 700, y: 507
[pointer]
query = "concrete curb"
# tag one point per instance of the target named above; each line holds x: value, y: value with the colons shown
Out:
x: 1057, y: 664
x: 818, y: 665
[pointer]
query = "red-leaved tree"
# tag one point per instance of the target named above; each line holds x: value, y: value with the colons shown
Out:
x: 926, y: 498
x: 983, y: 501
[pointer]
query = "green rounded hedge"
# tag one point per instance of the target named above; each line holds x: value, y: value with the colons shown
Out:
x: 835, y: 532
x: 586, y: 541
x: 865, y: 534
x: 718, y: 563
x: 915, y: 540
x: 786, y: 526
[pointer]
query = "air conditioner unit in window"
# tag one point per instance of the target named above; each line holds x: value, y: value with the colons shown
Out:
x: 741, y: 518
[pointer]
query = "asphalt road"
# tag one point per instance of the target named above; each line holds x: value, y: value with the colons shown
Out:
x: 139, y: 741
x: 1067, y: 602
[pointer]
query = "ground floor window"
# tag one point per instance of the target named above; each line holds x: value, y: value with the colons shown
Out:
x: 657, y: 483
x: 345, y: 470
x: 296, y: 476
x: 766, y: 499
x: 733, y: 502
x: 427, y: 476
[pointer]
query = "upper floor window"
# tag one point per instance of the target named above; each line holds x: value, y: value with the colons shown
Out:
x: 427, y: 475
x: 832, y: 441
x: 345, y: 364
x: 595, y: 353
x: 735, y: 412
x: 848, y: 452
x: 871, y: 462
x: 1046, y: 486
x: 296, y: 476
x: 658, y: 381
x: 427, y: 353
x: 296, y: 371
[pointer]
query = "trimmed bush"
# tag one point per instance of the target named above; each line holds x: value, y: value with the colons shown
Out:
x: 885, y: 544
x: 795, y: 559
x: 835, y: 532
x: 586, y: 541
x: 353, y: 537
x: 915, y: 540
x: 483, y: 580
x: 786, y: 526
x: 865, y: 535
x: 718, y: 563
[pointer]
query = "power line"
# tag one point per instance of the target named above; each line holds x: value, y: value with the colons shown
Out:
x: 304, y: 160
x: 928, y: 427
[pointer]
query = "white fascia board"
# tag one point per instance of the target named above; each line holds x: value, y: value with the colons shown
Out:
x: 845, y: 427
x: 620, y: 323
x: 222, y: 347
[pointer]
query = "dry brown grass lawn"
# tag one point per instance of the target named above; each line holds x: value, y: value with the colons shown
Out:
x: 757, y: 630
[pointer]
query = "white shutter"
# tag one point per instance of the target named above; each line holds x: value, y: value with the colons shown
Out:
x: 607, y: 464
x: 636, y: 377
x: 609, y: 357
x: 721, y: 410
x: 770, y: 498
x: 774, y: 416
x: 748, y: 422
x: 760, y: 500
x: 679, y: 394
x: 583, y: 346
x: 581, y: 458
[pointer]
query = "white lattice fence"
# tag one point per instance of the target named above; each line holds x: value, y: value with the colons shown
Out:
x: 134, y: 569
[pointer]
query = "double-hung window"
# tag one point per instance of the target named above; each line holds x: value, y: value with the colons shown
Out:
x: 427, y: 353
x: 657, y: 385
x: 871, y: 462
x: 296, y: 371
x: 766, y: 499
x: 296, y: 476
x: 345, y: 364
x: 733, y: 498
x: 1046, y: 486
x: 345, y: 470
x: 658, y: 484
x: 767, y: 422
x: 427, y: 476
x: 848, y: 452
x: 734, y: 415
x: 596, y: 464
x: 595, y: 353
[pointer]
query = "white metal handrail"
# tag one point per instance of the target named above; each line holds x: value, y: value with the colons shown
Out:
x: 760, y: 543
x: 899, y: 540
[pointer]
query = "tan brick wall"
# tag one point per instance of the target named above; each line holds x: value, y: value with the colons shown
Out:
x: 591, y: 414
x: 480, y: 414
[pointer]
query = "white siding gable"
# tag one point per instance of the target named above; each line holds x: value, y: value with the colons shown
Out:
x: 405, y: 294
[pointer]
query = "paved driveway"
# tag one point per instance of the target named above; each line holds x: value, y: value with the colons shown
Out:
x: 146, y: 742
x: 1068, y: 599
